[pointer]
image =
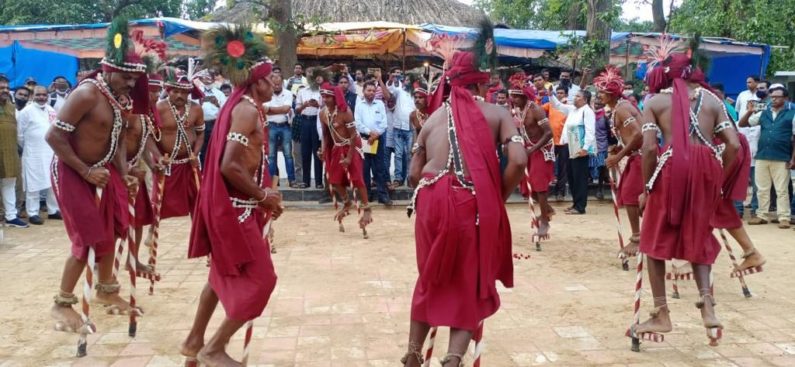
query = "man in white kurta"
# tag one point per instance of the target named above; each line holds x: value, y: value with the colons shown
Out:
x: 32, y: 124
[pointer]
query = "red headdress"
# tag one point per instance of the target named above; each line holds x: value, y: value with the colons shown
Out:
x: 420, y: 88
x: 521, y: 86
x: 476, y: 142
x: 610, y: 81
x: 672, y: 69
x: 336, y: 92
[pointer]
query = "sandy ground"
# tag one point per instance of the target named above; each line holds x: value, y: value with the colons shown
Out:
x: 344, y: 301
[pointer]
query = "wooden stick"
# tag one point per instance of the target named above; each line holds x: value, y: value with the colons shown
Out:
x: 746, y: 292
x: 614, y: 192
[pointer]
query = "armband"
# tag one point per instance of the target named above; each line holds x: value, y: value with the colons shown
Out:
x: 238, y: 137
x: 416, y: 147
x: 722, y: 126
x: 515, y: 139
x: 351, y: 124
x: 628, y: 121
x: 544, y: 121
x: 65, y: 126
x: 200, y: 127
x: 649, y: 126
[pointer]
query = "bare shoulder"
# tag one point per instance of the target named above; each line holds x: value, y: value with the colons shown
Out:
x: 244, y: 112
x: 196, y: 108
x: 437, y: 117
x: 84, y: 92
x: 162, y: 106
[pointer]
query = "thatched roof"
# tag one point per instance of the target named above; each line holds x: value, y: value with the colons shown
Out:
x: 447, y: 12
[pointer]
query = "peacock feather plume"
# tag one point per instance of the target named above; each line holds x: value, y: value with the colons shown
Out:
x: 234, y: 49
x: 485, y: 48
x: 118, y: 41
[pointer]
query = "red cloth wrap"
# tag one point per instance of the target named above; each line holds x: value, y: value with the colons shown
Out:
x: 631, y: 185
x: 448, y: 291
x: 179, y: 192
x: 692, y: 239
x: 245, y: 296
x: 215, y: 227
x: 144, y: 213
x: 477, y: 144
x: 87, y: 224
x: 676, y: 71
x: 540, y: 174
x: 735, y: 188
x: 337, y: 174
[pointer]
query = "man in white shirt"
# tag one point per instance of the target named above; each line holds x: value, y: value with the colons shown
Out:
x: 60, y: 89
x: 565, y: 81
x: 371, y: 124
x: 212, y: 102
x: 756, y: 87
x: 279, y: 132
x: 33, y: 122
x: 297, y: 80
x: 579, y: 132
x: 400, y: 131
x: 306, y: 108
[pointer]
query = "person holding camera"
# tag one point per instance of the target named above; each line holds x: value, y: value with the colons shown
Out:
x: 775, y: 155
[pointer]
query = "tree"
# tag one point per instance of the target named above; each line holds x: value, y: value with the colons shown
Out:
x: 767, y: 21
x: 198, y: 9
x: 281, y: 12
x: 600, y: 17
x: 85, y: 11
x: 658, y: 14
x: 536, y: 14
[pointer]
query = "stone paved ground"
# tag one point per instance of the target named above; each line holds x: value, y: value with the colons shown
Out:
x: 344, y: 301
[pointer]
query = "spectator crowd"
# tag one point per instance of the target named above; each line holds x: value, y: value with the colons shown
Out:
x: 388, y: 114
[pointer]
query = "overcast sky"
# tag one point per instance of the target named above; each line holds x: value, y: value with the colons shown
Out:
x: 631, y: 9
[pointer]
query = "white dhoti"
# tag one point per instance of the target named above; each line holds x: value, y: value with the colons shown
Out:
x: 33, y: 122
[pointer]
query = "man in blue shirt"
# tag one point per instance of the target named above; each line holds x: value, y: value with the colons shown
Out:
x: 371, y: 124
x: 775, y: 155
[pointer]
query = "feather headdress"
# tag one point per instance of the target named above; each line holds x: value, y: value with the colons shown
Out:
x: 610, y: 81
x: 659, y: 53
x: 131, y: 53
x: 236, y: 52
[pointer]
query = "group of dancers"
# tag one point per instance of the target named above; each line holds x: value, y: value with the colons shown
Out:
x: 114, y: 122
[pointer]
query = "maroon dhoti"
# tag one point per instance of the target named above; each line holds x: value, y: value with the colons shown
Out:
x: 692, y: 240
x: 735, y: 188
x: 631, y: 185
x: 179, y: 192
x: 245, y: 295
x: 446, y: 234
x: 88, y: 224
x: 540, y: 171
x: 144, y: 214
x: 339, y: 175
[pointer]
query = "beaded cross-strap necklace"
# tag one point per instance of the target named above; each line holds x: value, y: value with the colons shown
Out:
x: 118, y: 123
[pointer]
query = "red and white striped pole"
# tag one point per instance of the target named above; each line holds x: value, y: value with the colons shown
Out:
x: 431, y: 342
x: 739, y: 275
x: 614, y: 192
x: 85, y: 310
x: 161, y: 181
x: 533, y: 218
x: 477, y: 336
x: 132, y: 263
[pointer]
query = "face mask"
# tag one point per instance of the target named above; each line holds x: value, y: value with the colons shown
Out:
x: 761, y: 94
x: 565, y: 82
x: 21, y: 103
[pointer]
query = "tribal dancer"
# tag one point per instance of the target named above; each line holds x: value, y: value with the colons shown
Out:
x: 419, y: 116
x: 625, y: 119
x: 141, y: 148
x: 534, y: 128
x: 682, y: 182
x: 236, y: 202
x: 89, y: 173
x: 341, y: 150
x: 463, y: 238
x: 181, y: 136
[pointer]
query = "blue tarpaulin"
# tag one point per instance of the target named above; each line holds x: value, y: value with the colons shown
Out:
x: 19, y: 63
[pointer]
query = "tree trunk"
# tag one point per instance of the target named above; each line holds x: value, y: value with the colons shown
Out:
x: 573, y: 16
x: 286, y: 38
x: 658, y: 14
x: 599, y: 31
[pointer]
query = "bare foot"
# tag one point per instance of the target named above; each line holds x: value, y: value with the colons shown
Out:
x: 630, y: 250
x: 660, y: 322
x: 365, y: 219
x: 343, y: 212
x: 216, y: 359
x: 191, y: 346
x: 707, y: 307
x: 66, y: 319
x: 143, y: 270
x: 543, y: 228
x: 115, y: 305
x: 751, y: 261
